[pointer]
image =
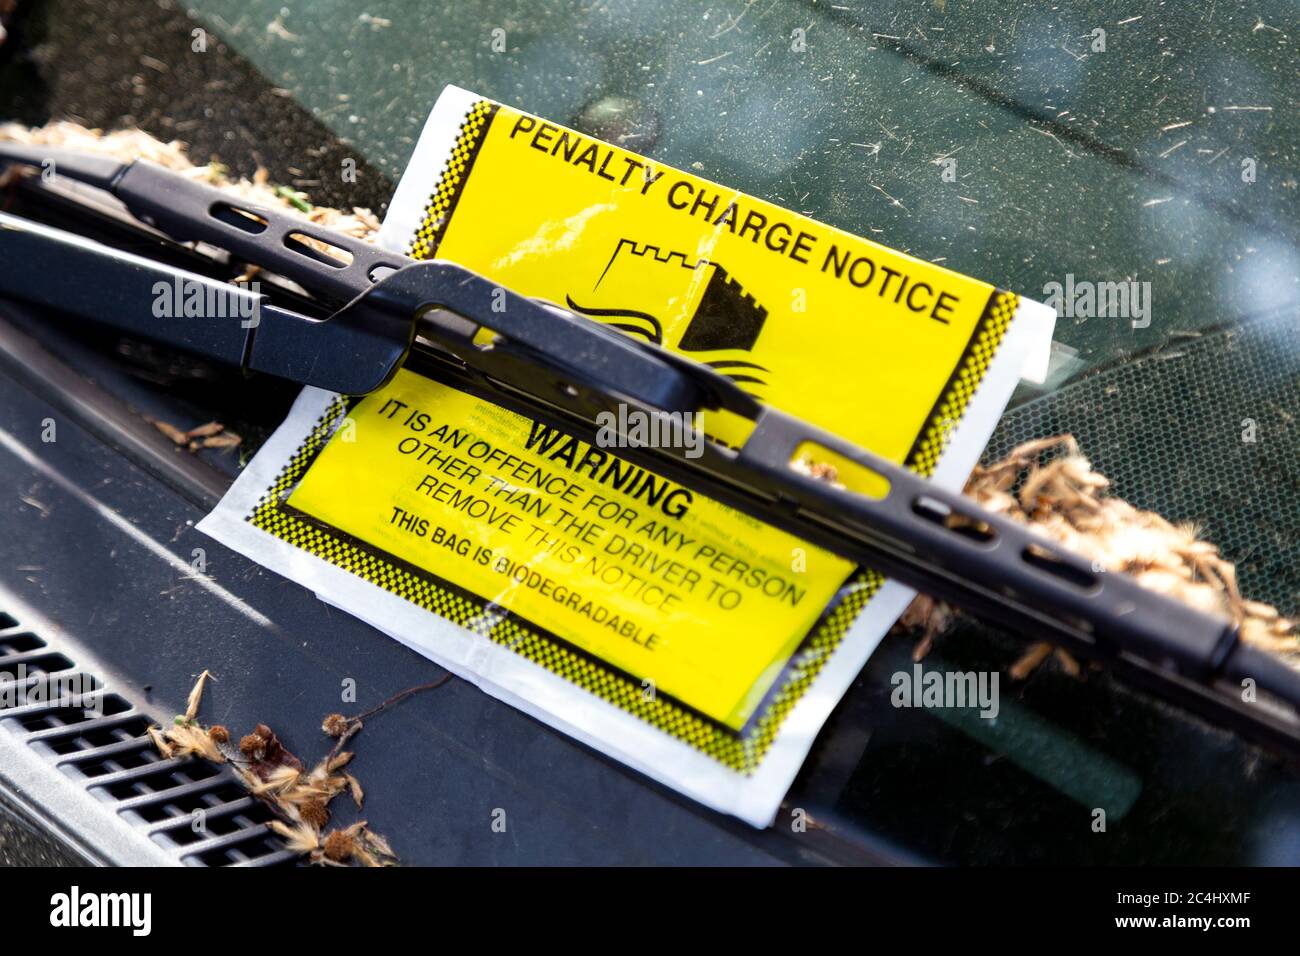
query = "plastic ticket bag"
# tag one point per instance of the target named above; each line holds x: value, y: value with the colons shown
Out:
x: 685, y: 639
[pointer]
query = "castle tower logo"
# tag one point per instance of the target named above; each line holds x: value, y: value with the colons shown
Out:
x: 712, y: 313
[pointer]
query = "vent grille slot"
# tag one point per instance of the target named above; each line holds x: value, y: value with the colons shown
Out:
x: 33, y: 663
x: 50, y: 720
x: 195, y: 810
x: 17, y: 643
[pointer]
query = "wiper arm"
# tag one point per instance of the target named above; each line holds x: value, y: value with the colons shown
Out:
x: 548, y: 363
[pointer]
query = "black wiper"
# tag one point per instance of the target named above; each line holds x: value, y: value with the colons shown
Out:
x: 553, y: 365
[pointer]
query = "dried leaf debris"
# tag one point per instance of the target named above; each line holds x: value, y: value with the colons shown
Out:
x: 298, y: 797
x: 209, y: 435
x: 1049, y: 485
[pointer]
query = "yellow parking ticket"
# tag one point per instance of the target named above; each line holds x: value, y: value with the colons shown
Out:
x: 608, y: 558
x: 668, y: 630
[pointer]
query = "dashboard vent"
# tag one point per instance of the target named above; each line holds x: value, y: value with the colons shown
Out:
x: 196, y: 812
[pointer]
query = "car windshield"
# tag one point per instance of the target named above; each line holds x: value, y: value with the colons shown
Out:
x: 1134, y: 165
x: 1136, y: 171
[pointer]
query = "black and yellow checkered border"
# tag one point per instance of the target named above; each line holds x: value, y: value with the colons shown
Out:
x: 742, y: 751
x: 926, y: 451
x: 446, y: 194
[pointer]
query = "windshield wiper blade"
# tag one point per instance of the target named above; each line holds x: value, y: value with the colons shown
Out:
x: 551, y: 364
x: 190, y: 211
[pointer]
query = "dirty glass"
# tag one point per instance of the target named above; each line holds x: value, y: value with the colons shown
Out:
x: 1148, y: 144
